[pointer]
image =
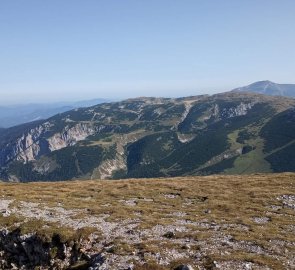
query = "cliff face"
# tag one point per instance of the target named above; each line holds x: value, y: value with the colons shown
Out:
x: 24, y: 148
x: 29, y: 146
x: 143, y: 137
x: 70, y: 136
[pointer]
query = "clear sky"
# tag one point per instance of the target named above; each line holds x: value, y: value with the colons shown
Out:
x: 80, y: 49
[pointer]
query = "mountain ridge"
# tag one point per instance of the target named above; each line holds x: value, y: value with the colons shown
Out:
x: 269, y: 88
x: 153, y: 137
x: 18, y: 114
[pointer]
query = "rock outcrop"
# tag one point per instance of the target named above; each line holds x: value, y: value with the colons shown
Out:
x: 31, y: 251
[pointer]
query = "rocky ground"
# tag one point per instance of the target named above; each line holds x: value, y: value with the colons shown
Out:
x: 214, y: 222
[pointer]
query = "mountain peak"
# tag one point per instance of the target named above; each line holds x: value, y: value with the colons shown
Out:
x: 269, y: 88
x: 265, y: 82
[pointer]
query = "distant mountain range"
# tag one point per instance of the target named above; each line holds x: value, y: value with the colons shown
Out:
x: 23, y: 113
x: 231, y: 133
x: 269, y: 88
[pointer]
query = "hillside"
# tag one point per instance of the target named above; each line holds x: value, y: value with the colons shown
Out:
x: 232, y: 133
x: 212, y: 222
x: 269, y: 88
x: 23, y: 113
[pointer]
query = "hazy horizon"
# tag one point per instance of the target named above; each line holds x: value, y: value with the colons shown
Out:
x: 73, y: 50
x: 70, y: 100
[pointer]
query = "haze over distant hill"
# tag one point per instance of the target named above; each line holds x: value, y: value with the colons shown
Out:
x: 232, y: 132
x: 23, y: 113
x: 269, y: 88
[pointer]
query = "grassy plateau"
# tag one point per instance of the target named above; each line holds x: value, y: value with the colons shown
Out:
x: 209, y: 222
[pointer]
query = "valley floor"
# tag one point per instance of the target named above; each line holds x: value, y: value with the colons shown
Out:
x: 212, y: 222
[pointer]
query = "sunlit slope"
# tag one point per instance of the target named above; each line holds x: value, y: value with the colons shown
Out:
x: 234, y: 133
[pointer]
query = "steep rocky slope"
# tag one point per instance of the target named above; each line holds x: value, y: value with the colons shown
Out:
x: 155, y: 137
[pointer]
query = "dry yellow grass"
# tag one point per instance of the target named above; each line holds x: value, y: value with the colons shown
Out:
x: 208, y: 207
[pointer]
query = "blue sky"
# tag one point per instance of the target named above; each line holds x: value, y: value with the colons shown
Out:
x: 72, y: 49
